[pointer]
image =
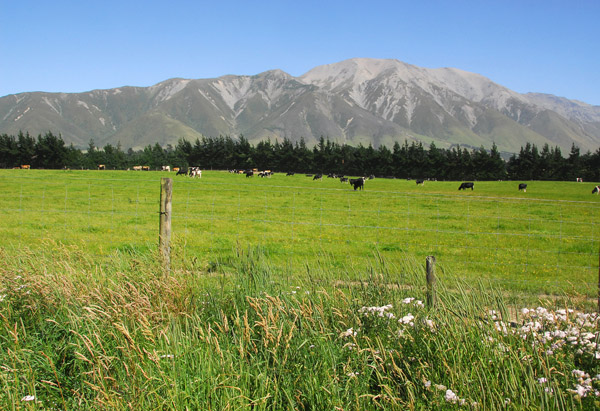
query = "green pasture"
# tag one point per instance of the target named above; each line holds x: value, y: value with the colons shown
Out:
x: 544, y: 241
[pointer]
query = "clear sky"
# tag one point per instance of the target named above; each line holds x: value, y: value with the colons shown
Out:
x: 79, y: 45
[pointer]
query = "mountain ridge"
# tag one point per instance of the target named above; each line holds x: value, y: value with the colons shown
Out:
x: 356, y: 101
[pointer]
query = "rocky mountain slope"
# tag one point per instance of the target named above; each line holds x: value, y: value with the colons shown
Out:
x: 353, y: 101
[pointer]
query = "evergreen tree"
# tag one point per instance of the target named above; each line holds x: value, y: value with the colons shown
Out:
x: 574, y: 170
x: 263, y: 155
x: 50, y: 152
x: 26, y: 148
x: 9, y: 152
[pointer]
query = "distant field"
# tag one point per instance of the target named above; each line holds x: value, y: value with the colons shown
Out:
x: 543, y: 241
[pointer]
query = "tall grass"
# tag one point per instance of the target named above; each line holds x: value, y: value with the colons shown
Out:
x: 75, y: 334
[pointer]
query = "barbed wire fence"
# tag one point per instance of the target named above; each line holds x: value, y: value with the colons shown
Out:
x: 473, y: 233
x: 530, y: 244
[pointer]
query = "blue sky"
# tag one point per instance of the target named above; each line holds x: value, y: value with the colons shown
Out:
x: 80, y: 45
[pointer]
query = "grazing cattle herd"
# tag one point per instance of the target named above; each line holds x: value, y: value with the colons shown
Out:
x: 356, y: 183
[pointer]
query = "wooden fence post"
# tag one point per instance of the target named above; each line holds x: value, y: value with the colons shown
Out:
x: 430, y: 266
x: 164, y: 236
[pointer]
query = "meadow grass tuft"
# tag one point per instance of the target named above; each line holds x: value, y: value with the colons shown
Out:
x: 77, y: 334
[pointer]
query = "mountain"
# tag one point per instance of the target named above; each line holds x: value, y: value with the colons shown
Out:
x: 366, y: 101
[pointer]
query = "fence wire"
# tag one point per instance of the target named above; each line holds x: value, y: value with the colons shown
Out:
x: 524, y: 242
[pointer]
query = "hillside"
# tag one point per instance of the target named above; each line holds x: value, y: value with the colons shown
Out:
x: 355, y: 101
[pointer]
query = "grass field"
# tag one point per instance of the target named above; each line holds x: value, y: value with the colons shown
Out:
x: 293, y: 294
x: 545, y: 241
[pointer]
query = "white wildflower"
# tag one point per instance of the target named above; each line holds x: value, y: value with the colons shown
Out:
x: 430, y: 324
x: 28, y: 398
x: 451, y: 397
x: 348, y: 333
x: 407, y: 319
x: 579, y: 390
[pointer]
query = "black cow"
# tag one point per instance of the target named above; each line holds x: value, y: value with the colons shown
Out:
x: 464, y: 186
x: 249, y: 174
x: 420, y: 182
x: 289, y: 173
x: 182, y: 171
x: 596, y: 190
x: 523, y: 187
x: 317, y: 177
x: 344, y: 179
x: 358, y: 183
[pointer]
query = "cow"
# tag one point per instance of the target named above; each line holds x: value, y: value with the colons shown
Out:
x: 195, y: 172
x: 137, y: 168
x: 101, y: 167
x: 249, y: 173
x: 25, y: 167
x: 420, y: 182
x: 357, y: 183
x: 289, y: 174
x: 145, y: 168
x: 182, y: 171
x: 523, y: 187
x: 318, y: 177
x: 343, y: 179
x: 166, y: 168
x: 464, y: 186
x: 596, y: 190
x: 579, y: 180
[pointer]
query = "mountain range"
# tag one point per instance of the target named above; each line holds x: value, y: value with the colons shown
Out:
x: 356, y: 101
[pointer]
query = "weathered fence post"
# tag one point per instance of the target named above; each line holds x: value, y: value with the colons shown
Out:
x: 164, y: 236
x: 430, y: 267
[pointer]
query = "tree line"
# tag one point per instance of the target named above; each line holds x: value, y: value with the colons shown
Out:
x: 406, y: 160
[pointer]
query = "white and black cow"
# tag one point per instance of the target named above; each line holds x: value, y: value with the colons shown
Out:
x: 523, y: 187
x: 420, y: 182
x: 596, y: 190
x: 318, y: 177
x: 465, y: 186
x: 195, y: 172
